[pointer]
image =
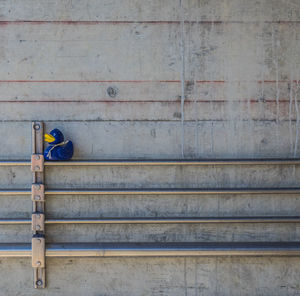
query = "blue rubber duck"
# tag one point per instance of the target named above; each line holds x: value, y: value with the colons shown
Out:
x: 58, y: 148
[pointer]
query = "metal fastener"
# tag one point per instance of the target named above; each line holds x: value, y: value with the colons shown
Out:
x: 112, y: 91
x: 36, y: 126
x: 38, y: 263
x: 39, y: 283
x: 37, y: 197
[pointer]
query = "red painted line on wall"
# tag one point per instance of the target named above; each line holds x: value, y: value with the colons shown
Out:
x: 145, y: 81
x: 216, y: 22
x: 148, y: 102
x: 89, y: 81
x: 246, y: 81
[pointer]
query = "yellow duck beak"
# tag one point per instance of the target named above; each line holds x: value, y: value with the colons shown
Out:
x: 48, y: 138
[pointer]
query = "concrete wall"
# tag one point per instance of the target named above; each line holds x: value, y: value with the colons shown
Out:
x: 216, y: 78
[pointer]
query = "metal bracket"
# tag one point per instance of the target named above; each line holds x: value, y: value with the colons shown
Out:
x: 38, y: 261
x: 37, y: 162
x: 38, y: 251
x: 38, y: 192
x: 38, y: 206
x: 38, y: 222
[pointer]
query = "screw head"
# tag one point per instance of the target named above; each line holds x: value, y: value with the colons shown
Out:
x: 36, y: 126
x: 36, y: 168
x: 39, y: 241
x: 112, y: 91
x: 37, y: 197
x: 37, y: 157
x: 39, y: 283
x: 38, y: 263
x: 37, y: 186
x: 38, y: 227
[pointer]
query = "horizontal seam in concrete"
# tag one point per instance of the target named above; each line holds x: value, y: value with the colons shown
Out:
x: 148, y: 101
x: 158, y: 22
x: 157, y: 121
x: 148, y: 81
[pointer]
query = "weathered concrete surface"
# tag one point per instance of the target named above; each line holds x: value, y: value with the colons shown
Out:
x: 190, y: 78
x: 161, y: 139
x: 157, y: 276
x: 72, y: 51
x: 218, y: 176
x: 135, y: 10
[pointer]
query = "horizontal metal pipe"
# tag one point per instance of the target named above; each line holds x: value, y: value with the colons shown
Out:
x: 15, y: 163
x: 15, y: 191
x: 154, y: 191
x: 14, y: 221
x: 175, y: 191
x: 162, y: 162
x: 157, y: 249
x: 155, y: 220
x: 159, y: 162
x: 15, y: 250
